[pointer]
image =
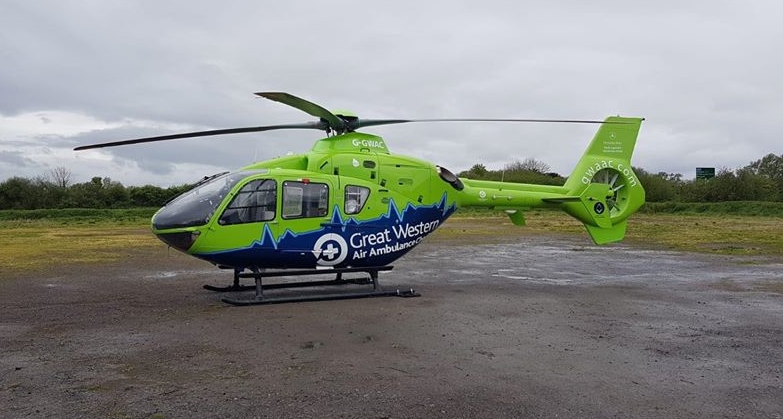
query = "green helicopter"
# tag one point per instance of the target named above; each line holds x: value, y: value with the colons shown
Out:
x: 350, y: 205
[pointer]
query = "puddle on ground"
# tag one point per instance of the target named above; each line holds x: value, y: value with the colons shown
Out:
x: 564, y: 262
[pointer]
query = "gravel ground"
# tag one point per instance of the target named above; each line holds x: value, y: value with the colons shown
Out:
x: 529, y: 326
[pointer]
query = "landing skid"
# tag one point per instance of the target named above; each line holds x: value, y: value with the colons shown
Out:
x: 236, y: 286
x: 259, y: 287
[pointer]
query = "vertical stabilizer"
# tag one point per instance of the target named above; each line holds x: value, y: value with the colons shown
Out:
x: 604, y: 181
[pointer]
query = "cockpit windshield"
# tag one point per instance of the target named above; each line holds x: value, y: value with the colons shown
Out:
x: 196, y: 206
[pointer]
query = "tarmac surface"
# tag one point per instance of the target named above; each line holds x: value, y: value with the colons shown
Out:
x: 527, y: 326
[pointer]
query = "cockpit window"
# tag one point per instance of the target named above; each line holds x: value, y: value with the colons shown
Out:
x: 255, y: 202
x: 196, y: 206
x: 355, y: 197
x: 305, y: 200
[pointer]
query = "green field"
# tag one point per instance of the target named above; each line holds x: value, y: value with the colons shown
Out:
x: 42, y: 239
x: 80, y: 215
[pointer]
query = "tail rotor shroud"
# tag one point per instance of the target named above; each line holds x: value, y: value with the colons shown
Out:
x: 617, y: 199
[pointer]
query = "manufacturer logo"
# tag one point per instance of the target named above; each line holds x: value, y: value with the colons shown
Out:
x: 330, y: 249
x: 599, y: 208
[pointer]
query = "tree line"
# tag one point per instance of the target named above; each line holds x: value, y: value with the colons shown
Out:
x: 761, y: 180
x: 55, y: 190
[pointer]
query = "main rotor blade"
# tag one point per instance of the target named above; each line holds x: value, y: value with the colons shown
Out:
x: 335, y: 122
x: 307, y: 125
x: 375, y: 122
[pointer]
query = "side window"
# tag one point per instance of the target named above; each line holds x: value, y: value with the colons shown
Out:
x: 305, y: 200
x: 253, y: 203
x: 355, y: 198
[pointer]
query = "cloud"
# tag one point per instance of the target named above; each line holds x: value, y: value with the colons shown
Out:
x: 703, y: 73
x: 14, y: 158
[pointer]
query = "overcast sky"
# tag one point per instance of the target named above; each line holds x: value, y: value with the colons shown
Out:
x: 705, y: 74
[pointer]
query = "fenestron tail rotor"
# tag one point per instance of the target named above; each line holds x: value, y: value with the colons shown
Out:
x: 331, y: 122
x: 618, y: 200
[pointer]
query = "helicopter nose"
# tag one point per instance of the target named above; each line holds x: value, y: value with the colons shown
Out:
x: 181, y: 240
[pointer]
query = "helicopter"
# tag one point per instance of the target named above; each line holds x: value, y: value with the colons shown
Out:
x: 351, y: 205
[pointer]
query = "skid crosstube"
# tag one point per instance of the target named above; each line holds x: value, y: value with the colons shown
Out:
x: 236, y: 286
x: 259, y: 287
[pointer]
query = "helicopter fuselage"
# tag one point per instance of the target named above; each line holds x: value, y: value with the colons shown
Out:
x: 347, y: 203
x: 350, y: 205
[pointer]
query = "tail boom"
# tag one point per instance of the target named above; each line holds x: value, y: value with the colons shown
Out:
x: 601, y: 192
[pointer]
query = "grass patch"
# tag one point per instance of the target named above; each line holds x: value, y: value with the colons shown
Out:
x: 735, y: 235
x: 33, y: 245
x: 716, y: 234
x: 746, y: 208
x: 80, y: 215
x: 732, y: 208
x: 97, y: 236
x: 36, y: 240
